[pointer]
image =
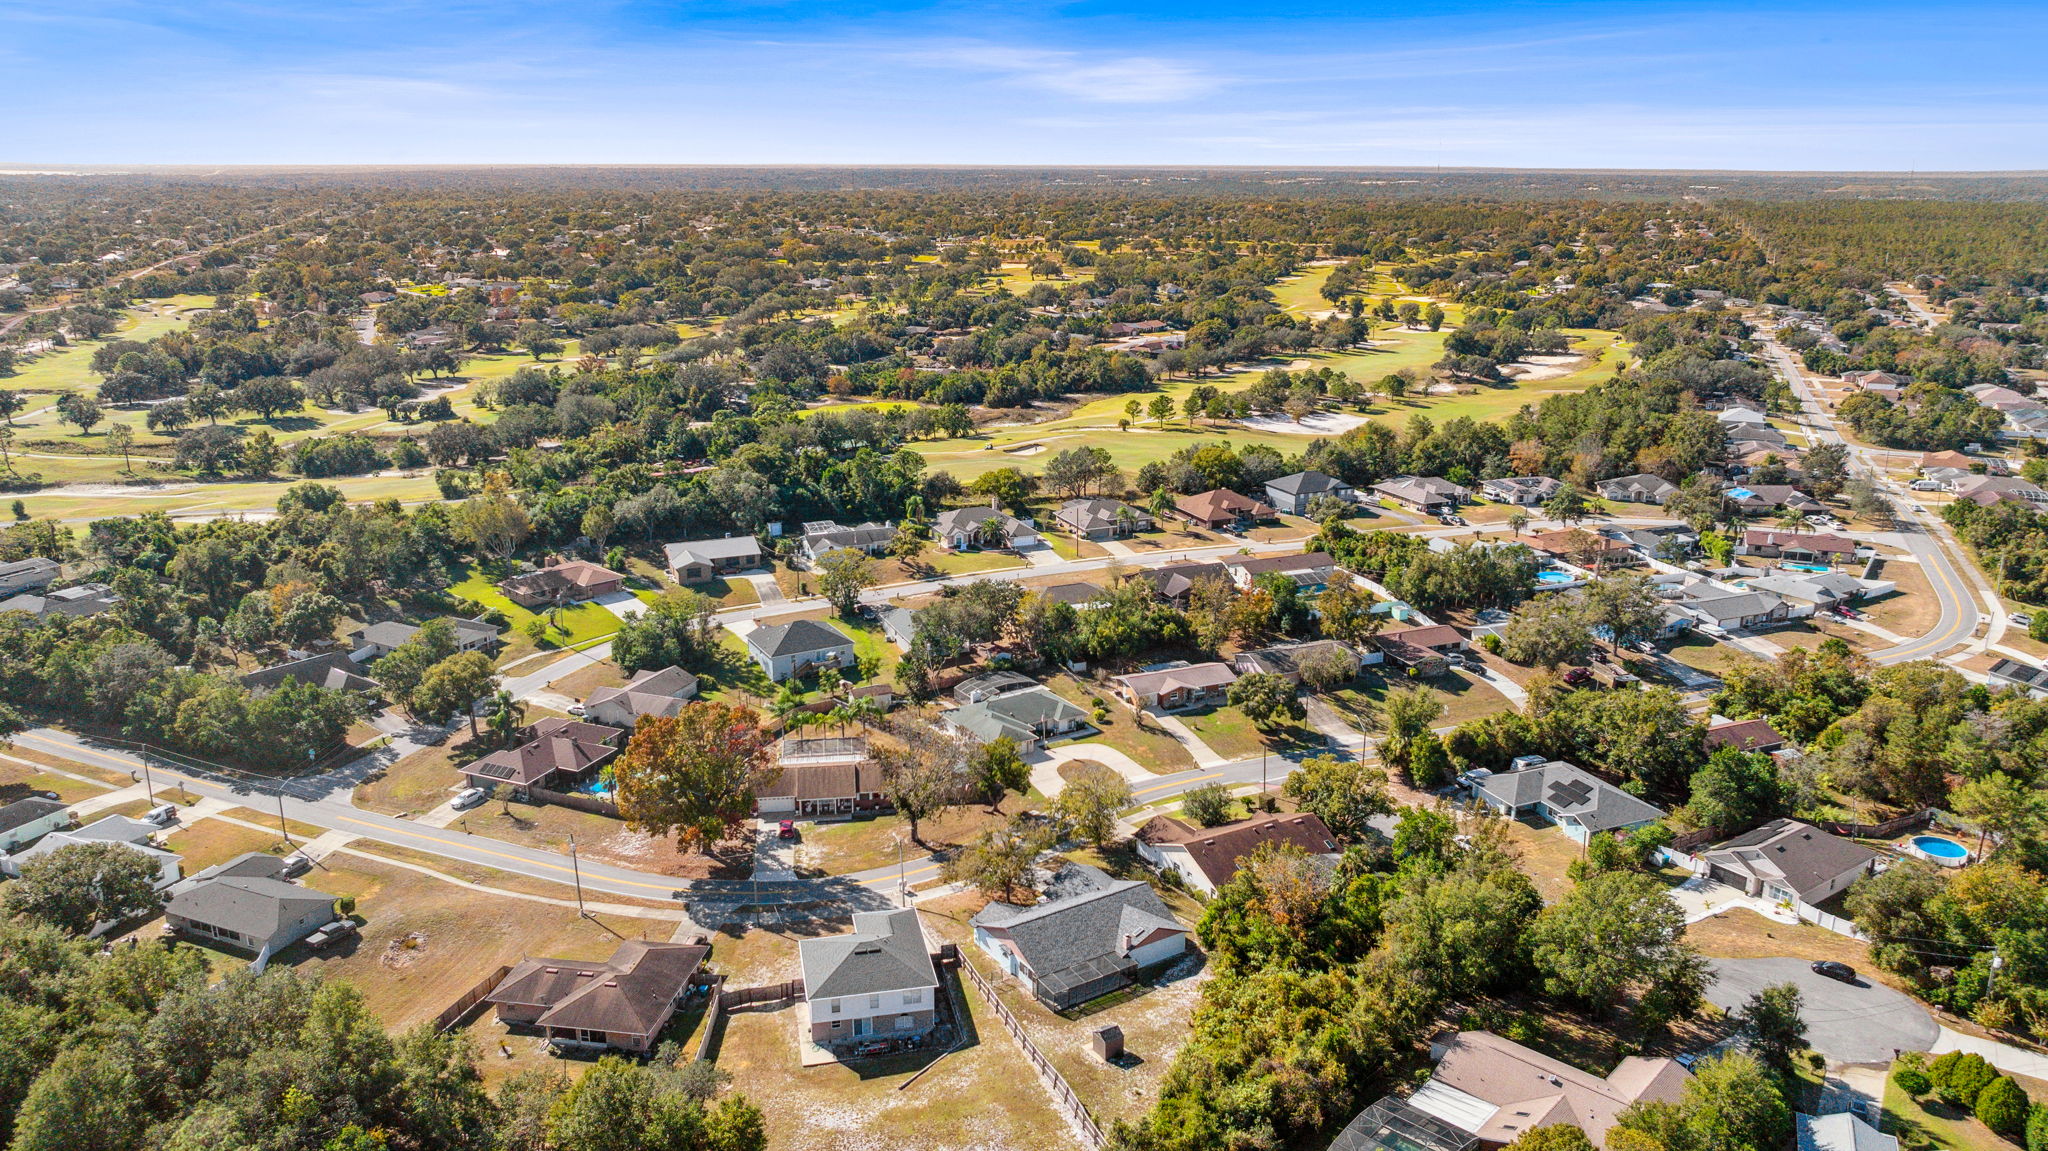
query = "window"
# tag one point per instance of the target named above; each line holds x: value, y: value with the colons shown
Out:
x: 836, y: 1025
x: 911, y: 997
x: 874, y: 1003
x: 835, y: 1009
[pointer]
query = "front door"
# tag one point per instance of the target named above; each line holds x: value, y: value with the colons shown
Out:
x: 860, y: 1028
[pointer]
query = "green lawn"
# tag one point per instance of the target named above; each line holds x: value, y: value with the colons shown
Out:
x: 185, y: 497
x: 577, y: 623
x: 1230, y: 733
x: 66, y: 369
x: 962, y: 563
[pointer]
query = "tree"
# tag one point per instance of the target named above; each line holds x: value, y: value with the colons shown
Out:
x: 1556, y: 1137
x: 492, y: 521
x: 598, y: 524
x: 506, y: 714
x: 453, y: 686
x: 1406, y: 714
x: 1091, y: 802
x: 7, y: 436
x: 1625, y: 607
x: 998, y: 862
x: 1770, y: 1024
x: 842, y: 575
x: 2001, y: 805
x: 1567, y: 505
x: 2002, y: 1106
x: 1731, y: 1103
x: 694, y: 773
x: 261, y: 453
x: 1616, y: 931
x: 1736, y: 790
x: 1209, y: 805
x: 80, y: 409
x: 121, y: 437
x: 679, y: 629
x: 1344, y: 794
x: 1547, y: 631
x: 995, y: 768
x: 268, y: 396
x: 1160, y: 409
x: 1518, y: 522
x: 80, y: 885
x: 923, y: 771
x: 1347, y: 613
x: 1328, y: 666
x: 1265, y: 698
x: 537, y: 340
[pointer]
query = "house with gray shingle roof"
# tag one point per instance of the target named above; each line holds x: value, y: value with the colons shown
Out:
x: 250, y: 913
x: 1580, y: 804
x: 877, y: 980
x: 1091, y: 935
x: 1786, y: 860
x: 26, y: 575
x: 1292, y: 494
x: 798, y: 648
x: 1030, y: 717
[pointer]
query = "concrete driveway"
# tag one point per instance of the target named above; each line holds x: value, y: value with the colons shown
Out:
x: 1846, y: 1023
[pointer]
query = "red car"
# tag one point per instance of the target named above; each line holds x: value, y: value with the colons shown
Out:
x: 786, y: 829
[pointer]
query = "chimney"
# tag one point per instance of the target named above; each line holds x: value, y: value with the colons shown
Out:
x: 993, y: 505
x: 1127, y: 943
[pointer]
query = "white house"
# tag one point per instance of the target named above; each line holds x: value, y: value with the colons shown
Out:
x: 26, y: 820
x: 132, y: 834
x: 1090, y: 935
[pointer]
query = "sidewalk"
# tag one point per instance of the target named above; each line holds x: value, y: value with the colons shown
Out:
x: 2003, y: 1056
x: 1204, y: 755
x: 1045, y: 765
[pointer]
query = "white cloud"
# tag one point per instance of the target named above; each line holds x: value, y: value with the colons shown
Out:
x: 1095, y: 79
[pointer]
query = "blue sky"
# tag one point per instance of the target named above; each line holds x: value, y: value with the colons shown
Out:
x: 1569, y: 83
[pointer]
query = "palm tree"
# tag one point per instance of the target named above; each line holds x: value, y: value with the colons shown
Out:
x: 991, y: 533
x: 787, y: 704
x: 1161, y: 504
x: 1518, y: 521
x: 506, y: 714
x: 1126, y: 520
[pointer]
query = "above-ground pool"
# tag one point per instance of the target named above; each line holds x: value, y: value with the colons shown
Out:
x: 1944, y: 851
x: 1555, y: 577
x: 1792, y: 567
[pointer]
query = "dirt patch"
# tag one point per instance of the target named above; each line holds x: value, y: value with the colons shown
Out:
x: 404, y: 951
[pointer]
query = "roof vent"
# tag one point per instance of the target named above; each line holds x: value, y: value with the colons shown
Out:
x: 552, y: 970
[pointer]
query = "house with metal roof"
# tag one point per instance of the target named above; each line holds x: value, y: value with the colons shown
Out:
x: 28, y: 574
x: 798, y: 648
x: 1579, y: 803
x: 623, y: 1003
x: 1786, y: 861
x: 1089, y: 936
x: 877, y: 980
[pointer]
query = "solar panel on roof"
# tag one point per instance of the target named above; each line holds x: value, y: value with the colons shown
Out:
x: 1570, y: 793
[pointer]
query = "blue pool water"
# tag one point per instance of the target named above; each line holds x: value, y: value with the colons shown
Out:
x: 1792, y: 567
x: 1554, y: 577
x: 1939, y: 848
x: 1739, y: 493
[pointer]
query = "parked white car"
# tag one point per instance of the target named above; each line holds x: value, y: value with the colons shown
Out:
x: 469, y: 797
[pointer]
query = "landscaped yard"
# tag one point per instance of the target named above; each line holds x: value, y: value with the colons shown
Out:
x: 1151, y: 747
x: 1924, y: 1123
x: 574, y: 624
x: 1703, y: 654
x: 1230, y: 733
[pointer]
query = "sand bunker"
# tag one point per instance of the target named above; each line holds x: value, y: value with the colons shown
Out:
x: 1531, y: 368
x: 1318, y: 424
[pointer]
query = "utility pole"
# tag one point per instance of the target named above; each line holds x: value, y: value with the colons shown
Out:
x: 284, y: 826
x: 148, y: 784
x: 576, y: 869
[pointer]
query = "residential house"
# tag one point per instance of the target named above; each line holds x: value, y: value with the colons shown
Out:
x: 1736, y: 611
x: 1176, y: 582
x: 28, y: 575
x: 1739, y: 419
x: 623, y: 1003
x: 1175, y: 687
x: 77, y: 602
x: 1206, y: 857
x: 558, y: 754
x: 566, y: 581
x: 1804, y: 547
x: 1293, y: 494
x: 1579, y: 803
x: 1390, y: 1124
x: 1762, y: 499
x: 1029, y: 717
x: 1874, y: 381
x: 1580, y: 546
x: 1523, y: 491
x: 248, y: 865
x: 1222, y: 510
x: 1499, y: 1090
x: 1742, y: 735
x: 798, y: 648
x: 2012, y: 673
x: 1806, y: 593
x: 989, y: 685
x: 1078, y: 594
x: 876, y: 980
x: 1988, y: 490
x: 1285, y: 660
x: 829, y: 777
x: 26, y: 820
x: 1089, y: 936
x: 899, y: 624
x: 1102, y: 519
x: 1430, y: 495
x: 1423, y: 648
x: 657, y: 693
x: 135, y: 835
x: 701, y: 561
x: 823, y: 537
x: 333, y: 670
x: 1310, y: 571
x: 1948, y: 459
x: 1641, y: 488
x: 1839, y: 1132
x: 1670, y: 544
x: 961, y: 529
x: 1788, y: 861
x: 249, y: 913
x: 381, y: 639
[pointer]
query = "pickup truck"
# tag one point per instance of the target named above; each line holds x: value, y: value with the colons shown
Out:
x: 339, y: 929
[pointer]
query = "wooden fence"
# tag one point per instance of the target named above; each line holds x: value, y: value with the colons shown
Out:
x: 1914, y: 821
x: 788, y: 991
x: 714, y: 1018
x: 1062, y: 1094
x: 455, y: 1013
x: 589, y: 803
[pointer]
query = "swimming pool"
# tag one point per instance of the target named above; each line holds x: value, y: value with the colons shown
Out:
x: 1944, y: 851
x: 1555, y: 577
x: 1793, y: 567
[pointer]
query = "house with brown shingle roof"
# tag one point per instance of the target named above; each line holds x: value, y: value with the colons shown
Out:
x: 1742, y: 735
x: 556, y: 753
x: 1206, y: 857
x: 623, y: 1002
x: 1422, y: 648
x: 571, y: 581
x: 1221, y: 510
x: 1173, y: 688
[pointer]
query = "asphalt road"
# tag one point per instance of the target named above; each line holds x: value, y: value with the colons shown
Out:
x: 1864, y: 1023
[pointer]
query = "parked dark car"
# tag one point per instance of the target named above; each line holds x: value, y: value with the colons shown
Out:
x: 1578, y: 675
x: 1833, y: 970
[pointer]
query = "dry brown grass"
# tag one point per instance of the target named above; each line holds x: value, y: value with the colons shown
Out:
x: 1546, y: 854
x: 1153, y: 749
x: 861, y: 844
x: 461, y: 936
x: 421, y: 781
x: 209, y: 841
x: 491, y: 876
x: 581, y: 682
x: 1910, y: 611
x: 18, y: 778
x: 113, y: 777
x: 300, y: 831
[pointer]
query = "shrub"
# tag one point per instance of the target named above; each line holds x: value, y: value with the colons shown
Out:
x: 2002, y: 1106
x: 1912, y: 1082
x: 1491, y: 642
x: 1959, y: 1083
